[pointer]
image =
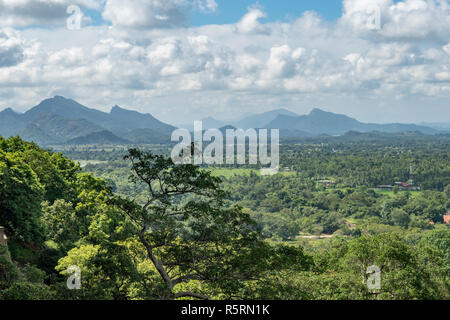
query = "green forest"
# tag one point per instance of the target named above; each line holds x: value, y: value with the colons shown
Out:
x: 139, y: 227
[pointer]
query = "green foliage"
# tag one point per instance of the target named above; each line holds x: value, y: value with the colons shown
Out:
x: 179, y: 231
x: 9, y: 273
x: 339, y: 273
x: 185, y: 224
x: 28, y: 176
x: 400, y: 218
x: 440, y: 239
x: 33, y: 274
x: 27, y: 291
x: 20, y: 197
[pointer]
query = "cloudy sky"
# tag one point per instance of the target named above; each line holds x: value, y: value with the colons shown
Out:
x: 183, y: 60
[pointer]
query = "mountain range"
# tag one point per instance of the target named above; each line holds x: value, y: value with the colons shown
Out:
x: 322, y: 122
x: 64, y: 121
x: 248, y: 121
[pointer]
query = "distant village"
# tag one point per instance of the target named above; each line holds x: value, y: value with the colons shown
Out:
x: 404, y: 186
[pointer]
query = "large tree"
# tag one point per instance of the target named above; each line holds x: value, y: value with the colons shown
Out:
x: 188, y: 232
x: 21, y: 194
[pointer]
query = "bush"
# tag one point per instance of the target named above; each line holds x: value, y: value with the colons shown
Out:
x: 8, y: 271
x: 33, y: 274
x: 26, y: 291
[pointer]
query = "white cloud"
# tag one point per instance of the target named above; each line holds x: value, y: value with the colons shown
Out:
x: 11, y: 50
x: 67, y: 57
x: 207, y: 5
x: 446, y: 48
x: 19, y: 13
x: 175, y: 71
x: 280, y: 64
x: 153, y: 13
x: 146, y: 13
x: 250, y: 22
x: 408, y: 19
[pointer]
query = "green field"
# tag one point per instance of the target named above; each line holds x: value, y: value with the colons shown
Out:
x: 231, y: 172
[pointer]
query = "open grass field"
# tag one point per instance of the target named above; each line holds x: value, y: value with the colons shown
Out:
x: 413, y: 194
x: 230, y: 172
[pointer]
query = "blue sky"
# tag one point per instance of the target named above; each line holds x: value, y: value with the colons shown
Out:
x: 230, y: 11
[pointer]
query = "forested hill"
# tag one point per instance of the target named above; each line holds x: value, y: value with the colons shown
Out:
x: 59, y: 121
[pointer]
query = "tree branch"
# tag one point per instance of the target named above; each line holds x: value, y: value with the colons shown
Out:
x: 190, y: 294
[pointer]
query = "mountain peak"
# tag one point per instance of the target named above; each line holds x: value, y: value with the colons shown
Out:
x: 56, y: 99
x: 282, y: 111
x: 116, y: 108
x: 317, y: 111
x: 8, y: 111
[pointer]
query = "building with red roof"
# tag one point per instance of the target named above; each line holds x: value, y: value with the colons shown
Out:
x: 447, y: 218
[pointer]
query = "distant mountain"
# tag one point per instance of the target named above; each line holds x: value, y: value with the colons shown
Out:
x: 11, y: 122
x: 66, y: 108
x: 294, y: 133
x: 52, y: 128
x: 258, y: 121
x: 255, y: 121
x: 207, y: 123
x: 211, y: 123
x: 322, y: 122
x: 442, y: 126
x: 59, y: 120
x: 102, y: 137
x: 120, y: 118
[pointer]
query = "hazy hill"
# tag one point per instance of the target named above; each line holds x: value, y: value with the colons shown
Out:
x: 211, y: 123
x: 257, y: 121
x: 207, y: 123
x: 442, y: 126
x: 11, y: 122
x: 248, y: 121
x: 322, y: 122
x: 120, y: 118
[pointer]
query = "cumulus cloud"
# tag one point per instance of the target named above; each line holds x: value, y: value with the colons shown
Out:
x: 153, y: 13
x: 250, y: 22
x: 179, y: 70
x: 280, y: 64
x: 19, y: 13
x: 408, y: 19
x: 207, y: 5
x: 146, y: 13
x: 11, y: 51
